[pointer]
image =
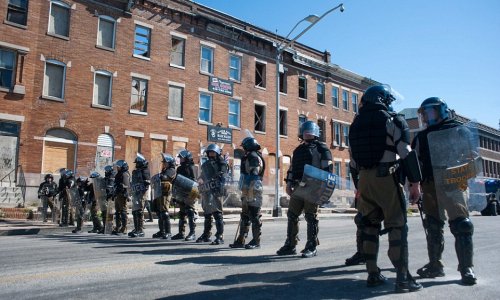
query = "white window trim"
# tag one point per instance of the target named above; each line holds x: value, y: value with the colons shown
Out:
x: 137, y: 75
x: 177, y: 84
x: 260, y: 61
x: 105, y: 73
x: 209, y: 72
x: 158, y: 136
x: 259, y: 103
x: 134, y: 133
x: 211, y: 108
x: 61, y: 4
x: 182, y: 86
x: 59, y: 63
x: 178, y: 35
x: 150, y: 26
x: 208, y: 44
x: 137, y: 112
x: 59, y: 140
x: 239, y: 114
x: 111, y: 19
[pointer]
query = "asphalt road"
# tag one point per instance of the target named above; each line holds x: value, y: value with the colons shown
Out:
x: 89, y: 266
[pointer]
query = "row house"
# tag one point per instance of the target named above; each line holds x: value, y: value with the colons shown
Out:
x: 84, y: 83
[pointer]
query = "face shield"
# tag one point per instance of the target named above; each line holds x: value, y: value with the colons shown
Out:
x: 429, y: 115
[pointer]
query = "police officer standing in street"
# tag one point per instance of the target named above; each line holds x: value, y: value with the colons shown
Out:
x: 186, y: 208
x: 376, y: 137
x: 435, y: 114
x: 162, y: 203
x: 65, y: 182
x: 122, y: 196
x: 252, y: 170
x: 140, y: 184
x: 94, y: 206
x: 315, y: 153
x: 47, y: 192
x: 211, y: 183
x: 109, y: 185
x: 83, y: 185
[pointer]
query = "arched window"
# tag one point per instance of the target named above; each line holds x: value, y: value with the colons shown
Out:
x: 104, y: 152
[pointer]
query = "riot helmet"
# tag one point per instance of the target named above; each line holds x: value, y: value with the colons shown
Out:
x: 168, y: 159
x: 68, y: 173
x: 82, y: 180
x: 214, y: 148
x: 186, y: 155
x: 61, y: 171
x: 140, y: 161
x: 121, y: 165
x: 433, y: 110
x: 95, y: 175
x: 250, y: 144
x: 48, y: 176
x: 380, y: 94
x: 108, y: 170
x: 309, y: 130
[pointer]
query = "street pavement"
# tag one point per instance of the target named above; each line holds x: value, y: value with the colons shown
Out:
x: 90, y: 266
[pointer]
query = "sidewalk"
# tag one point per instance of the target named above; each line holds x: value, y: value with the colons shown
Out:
x: 231, y: 216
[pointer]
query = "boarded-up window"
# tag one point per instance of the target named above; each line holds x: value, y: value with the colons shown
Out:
x: 59, y: 150
x: 157, y: 147
x: 132, y: 147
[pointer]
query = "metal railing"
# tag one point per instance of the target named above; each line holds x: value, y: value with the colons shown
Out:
x: 22, y: 182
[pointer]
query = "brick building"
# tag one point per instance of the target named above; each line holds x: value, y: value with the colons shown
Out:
x: 84, y: 83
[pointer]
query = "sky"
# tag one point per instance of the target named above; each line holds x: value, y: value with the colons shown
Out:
x: 444, y: 48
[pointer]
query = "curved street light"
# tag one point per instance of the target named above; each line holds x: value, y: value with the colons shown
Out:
x: 313, y: 19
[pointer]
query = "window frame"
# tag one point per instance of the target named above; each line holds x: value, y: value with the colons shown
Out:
x: 320, y: 93
x: 238, y: 114
x: 45, y: 94
x: 283, y: 122
x: 260, y: 71
x: 182, y: 88
x: 148, y: 39
x: 345, y: 135
x: 210, y: 61
x: 354, y: 102
x: 200, y: 108
x: 322, y: 130
x: 283, y: 81
x: 337, y: 137
x: 95, y: 102
x: 345, y: 99
x: 19, y: 10
x: 145, y: 106
x: 182, y: 54
x: 236, y: 69
x: 62, y: 5
x: 261, y: 118
x: 335, y: 96
x: 12, y: 71
x: 113, y: 35
x: 302, y: 89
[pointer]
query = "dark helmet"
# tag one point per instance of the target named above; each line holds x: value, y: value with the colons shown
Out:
x: 378, y: 94
x: 435, y: 104
x: 82, y: 179
x: 186, y: 155
x: 68, y: 173
x: 47, y: 176
x: 61, y: 171
x: 167, y: 158
x: 309, y: 127
x: 140, y: 161
x: 250, y: 144
x: 95, y: 175
x: 108, y: 170
x: 122, y: 165
x: 214, y: 148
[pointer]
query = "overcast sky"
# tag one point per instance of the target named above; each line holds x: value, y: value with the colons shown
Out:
x: 444, y: 48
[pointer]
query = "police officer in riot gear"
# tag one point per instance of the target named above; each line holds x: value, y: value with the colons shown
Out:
x: 161, y: 204
x: 377, y: 135
x: 252, y: 170
x: 121, y: 196
x: 315, y: 153
x: 46, y: 192
x: 436, y: 116
x: 186, y: 168
x: 84, y: 187
x: 109, y: 183
x: 94, y: 209
x: 65, y: 182
x: 141, y: 181
x: 211, y: 182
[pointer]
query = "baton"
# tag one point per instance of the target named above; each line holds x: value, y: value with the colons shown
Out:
x: 421, y: 211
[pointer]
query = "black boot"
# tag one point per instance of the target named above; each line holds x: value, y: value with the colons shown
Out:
x: 78, y: 228
x: 239, y: 242
x: 312, y: 237
x: 182, y: 228
x: 256, y: 232
x: 205, y: 237
x: 118, y: 222
x: 103, y: 227
x: 133, y: 232
x: 435, y: 247
x: 287, y: 249
x: 464, y: 249
x: 166, y: 226
x: 140, y: 224
x: 375, y: 279
x: 123, y: 228
x: 161, y: 229
x: 405, y: 283
x: 292, y: 230
x: 219, y: 225
x: 358, y: 257
x: 192, y: 225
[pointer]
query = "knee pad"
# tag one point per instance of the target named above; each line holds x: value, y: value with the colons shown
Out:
x: 358, y: 219
x: 292, y: 217
x: 462, y: 226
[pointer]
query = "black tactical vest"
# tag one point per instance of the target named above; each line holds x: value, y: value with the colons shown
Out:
x: 368, y: 134
x: 213, y: 168
x: 310, y: 154
x: 423, y: 145
x: 252, y: 158
x: 186, y: 170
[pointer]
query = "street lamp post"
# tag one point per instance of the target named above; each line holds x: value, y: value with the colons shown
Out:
x: 313, y: 19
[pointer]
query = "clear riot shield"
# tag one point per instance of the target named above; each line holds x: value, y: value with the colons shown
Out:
x: 110, y: 213
x: 156, y: 187
x: 455, y: 166
x: 185, y: 189
x: 251, y: 189
x: 55, y: 210
x: 74, y: 198
x: 316, y: 186
x: 210, y: 203
x: 138, y: 188
x: 99, y: 186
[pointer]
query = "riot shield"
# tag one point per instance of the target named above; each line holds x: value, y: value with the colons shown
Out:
x: 156, y: 187
x: 251, y: 189
x: 99, y: 187
x: 55, y: 210
x: 316, y: 186
x: 455, y: 166
x: 210, y: 203
x: 110, y: 213
x: 138, y: 189
x: 185, y: 190
x: 74, y: 198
